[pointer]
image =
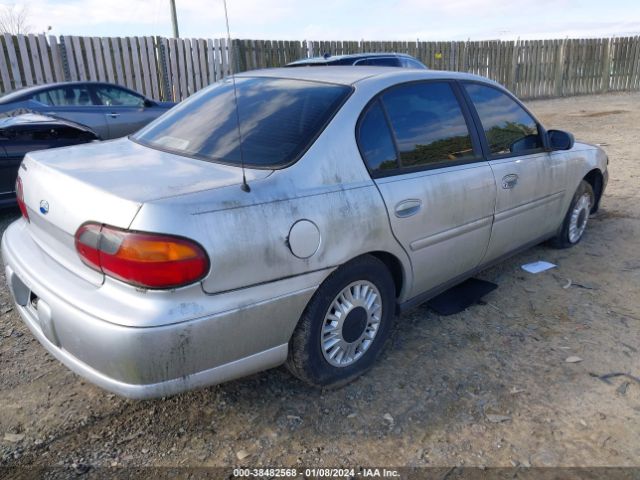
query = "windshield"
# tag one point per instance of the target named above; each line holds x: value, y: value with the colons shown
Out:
x: 278, y: 120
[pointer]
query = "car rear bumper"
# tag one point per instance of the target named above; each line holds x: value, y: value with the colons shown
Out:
x: 151, y: 361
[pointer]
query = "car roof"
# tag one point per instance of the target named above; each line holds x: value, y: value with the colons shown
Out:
x: 346, y: 75
x: 22, y: 93
x: 350, y: 56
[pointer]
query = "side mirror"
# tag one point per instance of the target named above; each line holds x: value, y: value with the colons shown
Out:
x: 149, y: 103
x: 560, y: 140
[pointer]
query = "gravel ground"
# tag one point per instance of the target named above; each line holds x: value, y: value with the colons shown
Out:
x: 487, y: 387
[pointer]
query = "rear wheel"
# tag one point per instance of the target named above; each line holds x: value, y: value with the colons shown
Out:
x: 575, y: 221
x: 345, y: 325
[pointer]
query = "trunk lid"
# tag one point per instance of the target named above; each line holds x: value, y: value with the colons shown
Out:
x: 107, y: 182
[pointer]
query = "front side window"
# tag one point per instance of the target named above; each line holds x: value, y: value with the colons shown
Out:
x: 428, y: 124
x: 509, y: 129
x: 117, y: 97
x: 375, y: 141
x: 411, y: 63
x: 278, y: 119
x: 65, y: 97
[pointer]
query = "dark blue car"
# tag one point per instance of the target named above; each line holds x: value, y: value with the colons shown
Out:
x: 362, y: 59
x: 111, y: 111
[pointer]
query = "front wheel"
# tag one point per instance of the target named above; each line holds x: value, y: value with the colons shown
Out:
x: 345, y: 325
x: 575, y: 221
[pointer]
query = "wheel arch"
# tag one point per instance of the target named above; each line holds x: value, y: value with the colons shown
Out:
x: 395, y: 267
x: 596, y: 180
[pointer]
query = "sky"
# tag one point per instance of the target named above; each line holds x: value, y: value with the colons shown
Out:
x: 340, y: 20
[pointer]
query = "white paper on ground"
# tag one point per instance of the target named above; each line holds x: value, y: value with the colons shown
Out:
x: 537, y: 267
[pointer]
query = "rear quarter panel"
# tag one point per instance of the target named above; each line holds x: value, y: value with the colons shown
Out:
x: 246, y: 234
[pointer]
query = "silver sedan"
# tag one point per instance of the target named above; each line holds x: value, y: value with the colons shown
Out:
x: 218, y: 242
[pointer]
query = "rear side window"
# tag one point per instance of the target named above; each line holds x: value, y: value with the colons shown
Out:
x: 411, y: 63
x: 428, y: 124
x: 65, y: 97
x: 278, y: 120
x: 509, y: 129
x: 375, y: 141
x: 117, y: 97
x: 380, y: 62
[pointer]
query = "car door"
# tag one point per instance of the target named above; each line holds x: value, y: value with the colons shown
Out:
x: 530, y: 182
x: 74, y: 102
x: 423, y: 154
x: 125, y: 112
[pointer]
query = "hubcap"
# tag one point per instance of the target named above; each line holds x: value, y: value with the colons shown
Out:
x: 579, y: 217
x: 351, y: 323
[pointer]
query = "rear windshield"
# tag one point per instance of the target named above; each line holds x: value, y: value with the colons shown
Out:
x: 278, y: 120
x: 16, y: 95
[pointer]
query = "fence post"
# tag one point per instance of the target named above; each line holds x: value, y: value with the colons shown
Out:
x: 606, y: 66
x: 636, y: 59
x: 559, y: 68
x: 253, y: 45
x: 513, y: 81
x: 65, y: 59
x: 164, y: 68
x: 234, y: 59
x: 239, y: 62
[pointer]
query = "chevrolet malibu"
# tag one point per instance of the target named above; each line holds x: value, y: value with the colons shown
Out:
x: 284, y: 218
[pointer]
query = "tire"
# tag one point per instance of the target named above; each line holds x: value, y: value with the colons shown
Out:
x: 349, y: 328
x: 575, y: 221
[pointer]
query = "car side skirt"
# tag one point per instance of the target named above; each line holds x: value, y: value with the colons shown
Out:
x: 426, y: 296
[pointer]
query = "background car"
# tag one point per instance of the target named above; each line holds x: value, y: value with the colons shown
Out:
x: 26, y: 133
x: 362, y: 59
x: 111, y: 111
x: 144, y: 265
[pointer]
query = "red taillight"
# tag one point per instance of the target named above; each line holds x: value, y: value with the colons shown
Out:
x: 20, y: 197
x: 147, y: 260
x: 88, y: 244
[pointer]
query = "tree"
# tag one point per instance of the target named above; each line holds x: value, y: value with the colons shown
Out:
x: 13, y: 20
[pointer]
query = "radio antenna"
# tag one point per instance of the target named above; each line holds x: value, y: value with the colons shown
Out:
x: 245, y: 186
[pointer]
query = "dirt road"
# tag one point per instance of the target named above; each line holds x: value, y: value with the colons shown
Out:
x: 489, y: 386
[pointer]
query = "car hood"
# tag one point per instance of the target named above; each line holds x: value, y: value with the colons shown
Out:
x: 140, y: 174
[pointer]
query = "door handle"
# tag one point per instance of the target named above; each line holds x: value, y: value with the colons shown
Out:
x: 113, y: 115
x: 407, y: 208
x: 509, y: 181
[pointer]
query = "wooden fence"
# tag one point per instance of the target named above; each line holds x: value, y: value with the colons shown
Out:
x: 172, y: 69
